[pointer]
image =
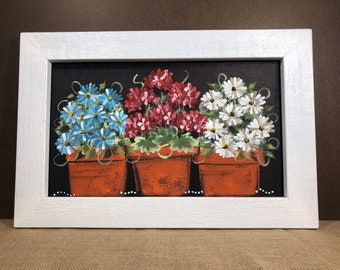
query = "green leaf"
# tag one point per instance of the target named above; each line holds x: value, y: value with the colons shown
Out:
x: 70, y: 96
x: 90, y: 153
x: 212, y: 114
x: 63, y: 128
x: 145, y: 145
x: 124, y: 142
x: 107, y: 153
x: 79, y: 155
x: 214, y: 86
x: 267, y: 109
x: 163, y: 136
x: 269, y: 154
x: 205, y: 145
x: 269, y: 146
x: 251, y: 86
x: 119, y: 150
x: 184, y: 144
x: 233, y: 129
x: 248, y: 117
x: 207, y: 151
x: 86, y: 146
x: 102, y: 86
x: 244, y: 154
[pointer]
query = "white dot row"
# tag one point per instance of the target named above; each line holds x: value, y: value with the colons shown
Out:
x: 63, y: 193
x: 193, y: 192
x: 264, y: 191
x: 128, y: 193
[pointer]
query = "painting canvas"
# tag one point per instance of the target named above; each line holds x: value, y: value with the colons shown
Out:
x: 189, y: 128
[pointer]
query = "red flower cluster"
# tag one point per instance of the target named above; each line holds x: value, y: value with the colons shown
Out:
x: 163, y: 102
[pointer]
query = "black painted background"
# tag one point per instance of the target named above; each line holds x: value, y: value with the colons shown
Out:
x: 265, y: 73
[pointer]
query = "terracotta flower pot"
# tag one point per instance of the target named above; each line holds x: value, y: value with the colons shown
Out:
x: 88, y: 177
x: 229, y: 177
x: 155, y: 176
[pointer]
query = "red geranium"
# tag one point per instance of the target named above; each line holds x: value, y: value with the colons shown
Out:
x: 162, y: 102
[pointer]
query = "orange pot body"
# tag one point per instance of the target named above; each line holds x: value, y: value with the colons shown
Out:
x: 90, y: 178
x: 155, y: 176
x: 229, y: 177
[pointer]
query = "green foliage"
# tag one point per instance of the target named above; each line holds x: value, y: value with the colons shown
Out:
x: 269, y: 146
x: 62, y: 128
x: 145, y: 145
x: 251, y: 86
x: 70, y: 96
x: 102, y: 87
x: 207, y: 151
x: 107, y: 153
x: 162, y: 136
x: 268, y: 154
x: 91, y: 153
x: 214, y: 86
x: 267, y: 109
x: 79, y: 155
x: 185, y: 143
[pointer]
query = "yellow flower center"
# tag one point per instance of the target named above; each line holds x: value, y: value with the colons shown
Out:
x: 233, y: 88
x: 262, y: 128
x: 213, y: 129
x: 95, y: 115
x: 251, y: 102
x: 224, y: 146
x: 67, y: 143
x: 88, y: 94
x: 71, y: 113
x: 104, y: 138
x: 246, y: 140
x: 83, y: 131
x: 212, y: 100
x: 109, y: 98
x: 120, y: 121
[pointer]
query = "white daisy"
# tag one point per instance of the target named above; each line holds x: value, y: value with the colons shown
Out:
x: 231, y: 114
x: 212, y: 100
x: 234, y: 88
x: 252, y: 103
x: 214, y: 129
x: 247, y: 140
x: 262, y: 126
x: 225, y: 146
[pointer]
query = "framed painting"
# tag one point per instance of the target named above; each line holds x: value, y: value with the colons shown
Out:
x: 166, y: 129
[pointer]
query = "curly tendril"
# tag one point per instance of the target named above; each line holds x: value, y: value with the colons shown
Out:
x: 60, y: 164
x: 186, y: 77
x: 120, y: 86
x: 135, y: 82
x: 219, y: 78
x: 61, y: 102
x: 268, y: 92
x: 275, y: 115
x: 72, y: 86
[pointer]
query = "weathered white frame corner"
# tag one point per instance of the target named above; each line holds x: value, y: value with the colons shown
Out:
x: 299, y: 207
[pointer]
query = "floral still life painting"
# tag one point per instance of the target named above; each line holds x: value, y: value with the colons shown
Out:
x: 162, y: 132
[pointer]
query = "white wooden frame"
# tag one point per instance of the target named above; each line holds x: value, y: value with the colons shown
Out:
x: 297, y: 209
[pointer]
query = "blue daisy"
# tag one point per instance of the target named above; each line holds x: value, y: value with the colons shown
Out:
x: 82, y: 132
x: 103, y: 138
x: 110, y: 98
x: 118, y: 121
x: 65, y: 143
x: 95, y: 115
x: 88, y: 94
x: 70, y: 113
